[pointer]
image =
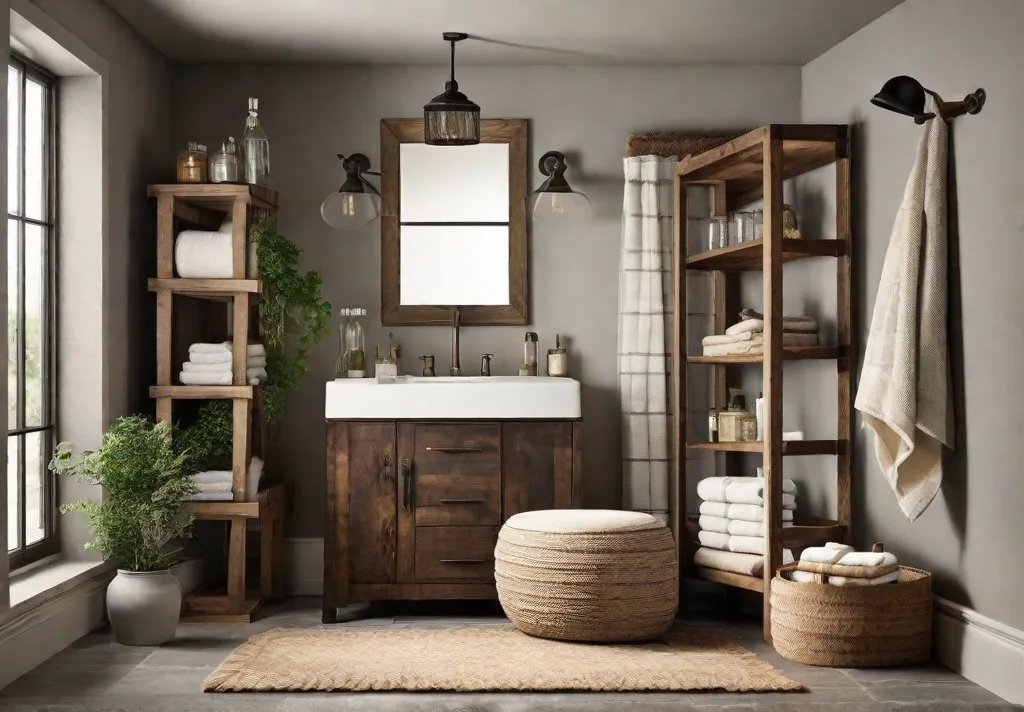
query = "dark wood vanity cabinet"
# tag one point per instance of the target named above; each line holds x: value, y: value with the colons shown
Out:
x: 414, y: 508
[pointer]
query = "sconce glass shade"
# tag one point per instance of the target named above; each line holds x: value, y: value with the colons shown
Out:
x: 555, y: 203
x: 451, y: 119
x: 903, y: 94
x: 357, y: 202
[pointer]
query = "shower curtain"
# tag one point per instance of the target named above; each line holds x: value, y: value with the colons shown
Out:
x: 645, y: 328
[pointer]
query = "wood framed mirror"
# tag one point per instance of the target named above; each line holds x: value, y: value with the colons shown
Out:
x: 455, y: 234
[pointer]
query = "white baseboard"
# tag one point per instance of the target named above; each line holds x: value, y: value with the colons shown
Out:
x: 980, y: 648
x: 304, y: 567
x: 28, y: 639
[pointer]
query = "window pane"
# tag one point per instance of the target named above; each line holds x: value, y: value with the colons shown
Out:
x: 12, y: 324
x: 13, y: 138
x: 35, y: 491
x: 35, y: 325
x: 35, y: 144
x: 13, y: 541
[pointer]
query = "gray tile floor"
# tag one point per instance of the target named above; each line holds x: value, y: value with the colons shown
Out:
x: 98, y: 674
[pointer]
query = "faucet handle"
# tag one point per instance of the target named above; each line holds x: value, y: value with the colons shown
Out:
x: 485, y: 364
x: 428, y: 365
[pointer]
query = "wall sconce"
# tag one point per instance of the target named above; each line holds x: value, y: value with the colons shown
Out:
x: 905, y: 95
x: 357, y: 202
x: 555, y: 202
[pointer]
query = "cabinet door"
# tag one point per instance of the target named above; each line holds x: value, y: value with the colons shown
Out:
x: 372, y: 497
x: 537, y: 466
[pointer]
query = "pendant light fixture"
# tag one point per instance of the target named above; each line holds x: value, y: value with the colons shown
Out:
x: 555, y: 202
x: 357, y: 202
x: 451, y: 119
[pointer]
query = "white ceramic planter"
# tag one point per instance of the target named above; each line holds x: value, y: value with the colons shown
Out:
x: 143, y: 607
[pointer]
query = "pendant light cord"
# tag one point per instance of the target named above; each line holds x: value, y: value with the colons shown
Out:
x: 453, y: 60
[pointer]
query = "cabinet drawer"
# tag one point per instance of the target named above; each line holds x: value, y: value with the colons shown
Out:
x: 460, y: 449
x: 449, y: 500
x: 457, y: 472
x: 455, y: 553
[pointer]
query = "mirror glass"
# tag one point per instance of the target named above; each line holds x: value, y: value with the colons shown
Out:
x: 454, y: 224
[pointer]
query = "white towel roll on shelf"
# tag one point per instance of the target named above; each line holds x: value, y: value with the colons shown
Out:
x: 199, y: 254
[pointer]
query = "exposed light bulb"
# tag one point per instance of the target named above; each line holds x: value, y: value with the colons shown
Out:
x: 557, y: 204
x: 348, y: 205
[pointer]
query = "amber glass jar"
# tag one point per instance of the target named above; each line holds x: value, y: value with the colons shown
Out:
x: 192, y: 164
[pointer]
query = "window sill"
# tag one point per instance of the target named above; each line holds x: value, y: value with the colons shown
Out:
x: 41, y: 584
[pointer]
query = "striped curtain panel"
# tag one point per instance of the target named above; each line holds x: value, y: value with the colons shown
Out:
x: 645, y: 328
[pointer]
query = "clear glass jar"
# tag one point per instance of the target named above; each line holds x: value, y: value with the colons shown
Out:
x: 718, y: 232
x: 741, y: 227
x: 351, y: 361
x: 224, y: 163
x: 757, y: 224
x: 255, y: 149
x: 192, y: 164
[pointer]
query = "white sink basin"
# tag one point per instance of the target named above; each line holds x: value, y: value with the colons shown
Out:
x: 464, y: 397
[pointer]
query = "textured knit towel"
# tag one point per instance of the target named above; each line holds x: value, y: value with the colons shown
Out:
x: 749, y: 564
x: 211, y: 476
x: 904, y: 390
x: 754, y: 344
x: 789, y: 323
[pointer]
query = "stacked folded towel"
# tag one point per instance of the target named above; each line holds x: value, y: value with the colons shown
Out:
x: 732, y: 523
x: 210, y: 365
x: 747, y: 336
x: 215, y: 485
x: 839, y: 565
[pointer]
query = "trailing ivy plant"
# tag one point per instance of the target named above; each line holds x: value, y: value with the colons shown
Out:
x: 141, y: 517
x: 293, y: 314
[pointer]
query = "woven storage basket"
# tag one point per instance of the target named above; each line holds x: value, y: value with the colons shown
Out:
x: 853, y: 626
x: 587, y: 575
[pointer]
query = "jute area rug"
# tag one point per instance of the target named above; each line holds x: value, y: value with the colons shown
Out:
x: 476, y: 659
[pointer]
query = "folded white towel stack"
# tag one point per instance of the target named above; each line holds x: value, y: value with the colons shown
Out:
x: 747, y: 336
x: 732, y: 533
x: 212, y: 486
x: 210, y: 365
x: 839, y: 559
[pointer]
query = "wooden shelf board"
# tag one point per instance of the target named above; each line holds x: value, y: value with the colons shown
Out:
x: 750, y: 583
x: 789, y: 447
x: 748, y: 257
x: 201, y: 392
x: 220, y: 196
x: 206, y: 288
x: 790, y: 353
x: 213, y: 608
x: 277, y: 492
x: 740, y: 162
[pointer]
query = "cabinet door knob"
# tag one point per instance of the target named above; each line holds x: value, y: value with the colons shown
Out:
x: 406, y: 484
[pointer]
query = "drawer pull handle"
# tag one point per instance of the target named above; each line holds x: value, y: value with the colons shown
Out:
x: 407, y: 484
x: 454, y: 450
x: 463, y: 561
x: 463, y: 501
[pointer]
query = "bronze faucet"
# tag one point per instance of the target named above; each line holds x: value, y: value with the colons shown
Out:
x: 456, y: 369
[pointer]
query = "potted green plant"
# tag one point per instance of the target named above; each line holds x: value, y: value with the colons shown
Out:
x: 138, y: 523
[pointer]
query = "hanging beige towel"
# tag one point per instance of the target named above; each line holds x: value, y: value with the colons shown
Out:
x: 904, y: 390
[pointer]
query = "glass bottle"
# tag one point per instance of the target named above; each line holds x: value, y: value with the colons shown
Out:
x: 351, y: 361
x: 255, y: 149
x: 718, y: 232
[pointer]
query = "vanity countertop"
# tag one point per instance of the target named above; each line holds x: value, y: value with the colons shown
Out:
x: 453, y: 398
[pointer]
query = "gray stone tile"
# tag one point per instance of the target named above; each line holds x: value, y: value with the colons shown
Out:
x: 904, y: 675
x: 61, y: 681
x: 160, y: 680
x: 932, y: 693
x: 147, y: 703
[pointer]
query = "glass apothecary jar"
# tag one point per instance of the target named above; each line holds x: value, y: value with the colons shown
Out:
x: 718, y: 232
x: 351, y: 361
x: 192, y: 164
x: 741, y: 227
x: 757, y: 224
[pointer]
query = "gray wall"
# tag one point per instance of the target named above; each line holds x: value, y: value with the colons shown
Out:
x: 313, y: 112
x: 971, y: 534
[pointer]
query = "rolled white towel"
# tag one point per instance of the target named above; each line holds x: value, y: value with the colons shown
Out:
x: 752, y: 491
x: 214, y: 487
x: 200, y: 254
x: 747, y: 564
x: 831, y: 553
x: 201, y: 378
x: 252, y: 478
x: 716, y: 489
x: 211, y: 497
x: 212, y: 476
x: 809, y: 577
x: 256, y: 374
x: 201, y: 358
x: 746, y: 544
x: 755, y: 512
x: 709, y: 523
x: 714, y: 540
x: 738, y: 527
x: 256, y: 362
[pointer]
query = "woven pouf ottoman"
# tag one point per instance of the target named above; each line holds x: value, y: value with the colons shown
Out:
x: 587, y: 574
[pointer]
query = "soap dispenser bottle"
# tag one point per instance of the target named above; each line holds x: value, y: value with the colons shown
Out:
x: 530, y: 355
x: 558, y: 359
